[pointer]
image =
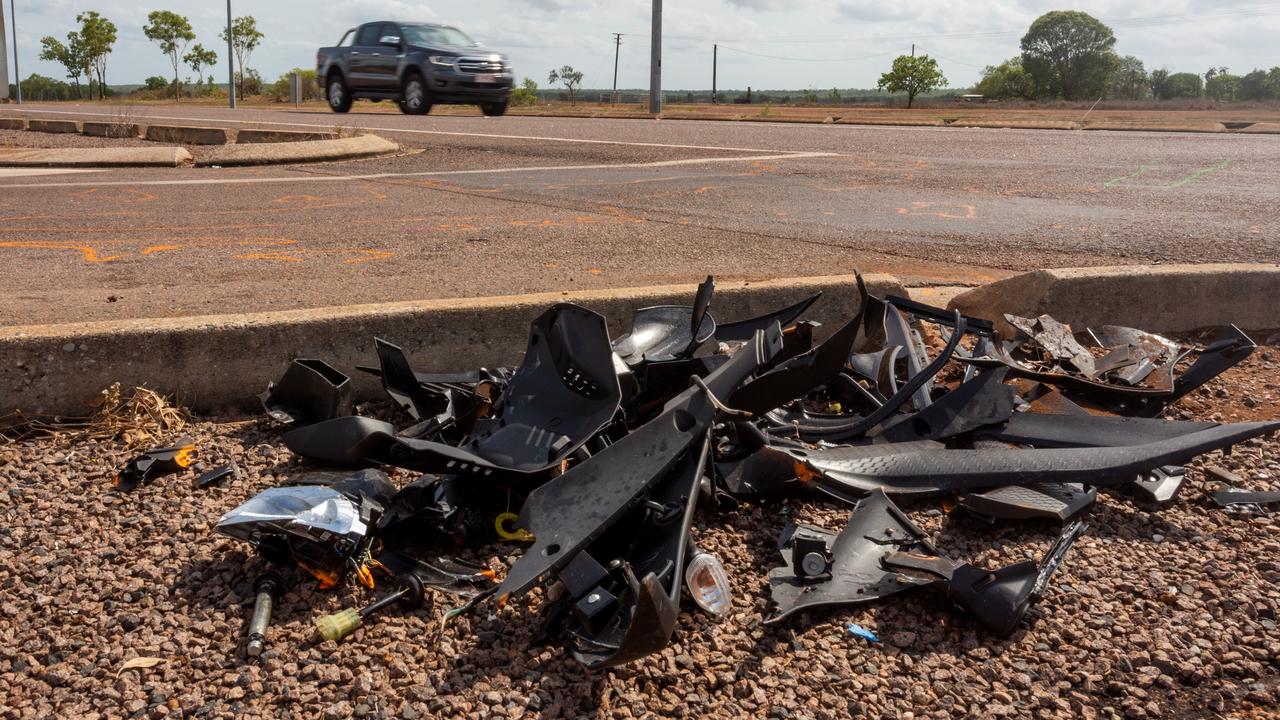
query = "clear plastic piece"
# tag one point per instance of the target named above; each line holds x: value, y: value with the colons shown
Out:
x: 709, y: 585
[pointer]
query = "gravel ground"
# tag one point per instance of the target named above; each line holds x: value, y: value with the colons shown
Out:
x: 27, y: 139
x: 1169, y: 614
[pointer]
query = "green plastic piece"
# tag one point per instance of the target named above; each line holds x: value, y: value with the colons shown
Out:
x: 339, y: 624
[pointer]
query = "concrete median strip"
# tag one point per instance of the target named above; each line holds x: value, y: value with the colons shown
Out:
x: 217, y: 362
x: 53, y: 126
x: 97, y: 157
x: 1161, y: 298
x: 186, y: 135
x: 293, y: 152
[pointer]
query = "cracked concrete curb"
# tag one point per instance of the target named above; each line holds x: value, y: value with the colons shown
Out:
x: 1156, y: 298
x: 217, y: 363
x: 359, y: 146
x: 97, y: 157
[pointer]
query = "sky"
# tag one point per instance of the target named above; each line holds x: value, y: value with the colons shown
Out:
x: 812, y: 43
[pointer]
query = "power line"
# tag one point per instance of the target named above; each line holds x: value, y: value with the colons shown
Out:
x: 807, y: 59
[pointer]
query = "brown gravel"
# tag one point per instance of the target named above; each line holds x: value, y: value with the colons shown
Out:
x: 1170, y: 614
x: 28, y: 139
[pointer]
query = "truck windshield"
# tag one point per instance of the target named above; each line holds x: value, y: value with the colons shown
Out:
x: 435, y: 35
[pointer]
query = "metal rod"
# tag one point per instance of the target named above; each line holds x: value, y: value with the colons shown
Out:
x: 259, y: 623
x: 231, y: 61
x: 655, y: 60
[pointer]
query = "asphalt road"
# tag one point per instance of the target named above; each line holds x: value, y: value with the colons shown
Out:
x: 492, y: 206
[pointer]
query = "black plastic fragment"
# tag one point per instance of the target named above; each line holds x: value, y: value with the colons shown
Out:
x: 215, y: 476
x: 1057, y: 501
x: 856, y: 573
x: 997, y: 598
x: 155, y: 463
x: 311, y: 391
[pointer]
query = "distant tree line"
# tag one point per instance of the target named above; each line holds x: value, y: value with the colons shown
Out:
x: 1071, y: 55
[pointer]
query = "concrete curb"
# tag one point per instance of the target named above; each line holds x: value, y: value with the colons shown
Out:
x: 218, y: 363
x: 98, y: 157
x: 1162, y: 298
x: 10, y: 123
x: 1262, y: 128
x: 275, y: 136
x: 112, y: 130
x: 294, y: 152
x: 190, y: 135
x: 1016, y: 124
x: 53, y: 126
x: 904, y: 122
x: 1188, y: 127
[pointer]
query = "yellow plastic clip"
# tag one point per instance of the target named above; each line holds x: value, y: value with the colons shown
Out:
x: 515, y: 533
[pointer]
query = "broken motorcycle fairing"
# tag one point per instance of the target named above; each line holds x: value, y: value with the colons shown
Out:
x: 924, y: 467
x: 564, y: 393
x: 668, y: 332
x: 1051, y: 355
x: 569, y: 513
x: 881, y: 552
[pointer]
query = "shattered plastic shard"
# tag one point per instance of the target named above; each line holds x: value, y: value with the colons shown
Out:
x: 305, y: 510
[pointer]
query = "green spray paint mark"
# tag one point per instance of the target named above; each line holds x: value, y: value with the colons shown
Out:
x: 1199, y: 173
x: 1116, y: 181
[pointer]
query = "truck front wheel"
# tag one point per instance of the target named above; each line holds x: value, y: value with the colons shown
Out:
x: 339, y: 98
x: 494, y: 109
x: 413, y: 97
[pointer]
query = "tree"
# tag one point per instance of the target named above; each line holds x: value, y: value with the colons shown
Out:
x: 245, y: 38
x: 1069, y: 53
x: 1222, y: 85
x: 155, y: 82
x: 1178, y: 85
x: 834, y: 96
x: 171, y: 32
x: 810, y: 96
x: 199, y: 57
x: 69, y: 56
x: 526, y: 94
x: 912, y: 75
x: 1257, y: 85
x: 571, y: 79
x: 1129, y: 81
x: 1006, y: 81
x: 97, y: 36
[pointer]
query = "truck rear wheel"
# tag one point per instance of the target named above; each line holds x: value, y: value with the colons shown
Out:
x: 339, y: 98
x: 494, y: 109
x: 413, y: 96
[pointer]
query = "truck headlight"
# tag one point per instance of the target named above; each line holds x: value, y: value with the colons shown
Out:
x: 445, y: 60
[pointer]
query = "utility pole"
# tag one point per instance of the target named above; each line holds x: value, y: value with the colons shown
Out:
x: 17, y: 77
x: 913, y: 49
x: 715, y: 51
x: 231, y: 62
x: 4, y: 59
x: 617, y: 45
x: 655, y: 61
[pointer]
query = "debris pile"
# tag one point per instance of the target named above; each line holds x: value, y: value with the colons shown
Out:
x: 610, y: 447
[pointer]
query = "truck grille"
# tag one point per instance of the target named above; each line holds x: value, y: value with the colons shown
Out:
x: 479, y: 65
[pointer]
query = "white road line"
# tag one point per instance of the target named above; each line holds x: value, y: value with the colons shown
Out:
x: 306, y: 178
x: 23, y: 172
x: 330, y: 126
